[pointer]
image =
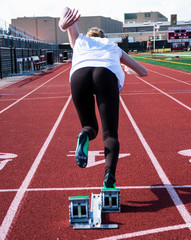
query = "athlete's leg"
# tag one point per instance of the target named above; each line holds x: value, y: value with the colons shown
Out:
x: 83, y: 98
x: 107, y: 95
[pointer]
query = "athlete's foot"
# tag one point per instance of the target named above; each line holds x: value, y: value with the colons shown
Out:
x: 109, y: 180
x: 81, y: 155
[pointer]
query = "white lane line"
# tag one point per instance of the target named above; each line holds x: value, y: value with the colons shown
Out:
x: 174, y: 196
x: 20, y: 99
x: 164, y: 75
x: 148, y: 93
x: 6, y: 224
x: 174, y: 99
x: 94, y: 188
x: 147, y: 232
x: 36, y: 98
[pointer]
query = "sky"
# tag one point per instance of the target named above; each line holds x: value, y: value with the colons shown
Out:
x: 114, y: 9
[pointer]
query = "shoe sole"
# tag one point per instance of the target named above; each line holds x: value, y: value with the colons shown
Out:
x: 81, y: 155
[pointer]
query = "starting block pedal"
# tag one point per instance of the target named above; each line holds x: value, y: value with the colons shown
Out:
x: 80, y: 217
x: 110, y: 200
x: 79, y: 210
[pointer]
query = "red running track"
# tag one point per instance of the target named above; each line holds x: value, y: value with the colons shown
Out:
x: 38, y: 172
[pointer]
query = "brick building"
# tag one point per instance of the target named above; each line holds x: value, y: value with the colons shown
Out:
x: 140, y: 26
x: 144, y: 17
x: 47, y: 28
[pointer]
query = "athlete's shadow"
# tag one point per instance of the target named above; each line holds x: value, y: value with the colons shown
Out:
x: 164, y: 200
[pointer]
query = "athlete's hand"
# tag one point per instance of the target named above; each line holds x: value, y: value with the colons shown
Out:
x: 68, y: 18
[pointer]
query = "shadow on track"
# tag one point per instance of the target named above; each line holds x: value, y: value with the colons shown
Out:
x: 33, y: 78
x: 163, y: 201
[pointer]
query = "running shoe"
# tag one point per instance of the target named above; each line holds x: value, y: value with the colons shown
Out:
x: 109, y: 180
x: 81, y: 155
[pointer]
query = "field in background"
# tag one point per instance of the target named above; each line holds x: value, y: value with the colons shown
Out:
x: 177, y: 60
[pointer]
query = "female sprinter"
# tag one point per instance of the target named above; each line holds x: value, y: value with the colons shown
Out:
x: 96, y: 71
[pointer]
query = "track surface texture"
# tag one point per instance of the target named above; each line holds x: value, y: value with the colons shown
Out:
x: 38, y: 173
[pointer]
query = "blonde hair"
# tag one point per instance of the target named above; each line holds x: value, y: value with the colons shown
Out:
x: 95, y: 32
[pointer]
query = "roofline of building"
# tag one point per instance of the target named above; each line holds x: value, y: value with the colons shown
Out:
x: 125, y: 34
x: 145, y: 24
x: 144, y: 12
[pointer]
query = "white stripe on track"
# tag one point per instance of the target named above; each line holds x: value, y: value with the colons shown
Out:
x: 147, y: 232
x: 164, y: 75
x: 6, y: 224
x: 93, y: 188
x: 11, y: 105
x: 170, y: 189
x: 174, y: 99
x: 37, y: 98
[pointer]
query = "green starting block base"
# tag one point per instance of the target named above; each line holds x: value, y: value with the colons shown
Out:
x: 80, y: 217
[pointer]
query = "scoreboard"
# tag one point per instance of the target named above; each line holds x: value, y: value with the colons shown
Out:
x: 179, y: 34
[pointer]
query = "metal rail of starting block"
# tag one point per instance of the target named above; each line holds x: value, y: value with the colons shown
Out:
x: 80, y: 217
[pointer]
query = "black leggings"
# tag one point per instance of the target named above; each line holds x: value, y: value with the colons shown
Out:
x: 101, y: 82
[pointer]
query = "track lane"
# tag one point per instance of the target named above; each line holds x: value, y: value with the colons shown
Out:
x: 64, y: 146
x: 21, y: 135
x: 58, y: 170
x: 20, y: 126
x: 170, y: 132
x: 10, y: 215
x: 151, y: 209
x: 22, y: 93
x: 179, y: 90
x: 173, y: 78
x: 166, y: 94
x: 170, y: 120
x: 64, y: 172
x: 165, y: 180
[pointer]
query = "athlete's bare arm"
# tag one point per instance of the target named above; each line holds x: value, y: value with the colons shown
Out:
x: 68, y: 22
x: 130, y: 62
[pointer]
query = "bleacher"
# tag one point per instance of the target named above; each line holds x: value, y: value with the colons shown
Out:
x: 24, y: 53
x: 19, y: 32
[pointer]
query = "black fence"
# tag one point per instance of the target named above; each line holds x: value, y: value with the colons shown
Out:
x: 9, y: 57
x: 142, y: 46
x: 14, y: 48
x: 17, y: 42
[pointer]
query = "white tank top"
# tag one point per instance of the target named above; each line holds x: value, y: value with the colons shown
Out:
x: 97, y: 52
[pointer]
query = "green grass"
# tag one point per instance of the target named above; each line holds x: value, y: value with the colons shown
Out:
x: 180, y: 61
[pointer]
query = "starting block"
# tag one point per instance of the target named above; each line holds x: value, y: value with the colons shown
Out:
x: 80, y: 217
x: 78, y: 210
x: 110, y: 200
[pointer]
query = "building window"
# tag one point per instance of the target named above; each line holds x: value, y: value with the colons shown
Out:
x: 148, y: 15
x: 130, y: 16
